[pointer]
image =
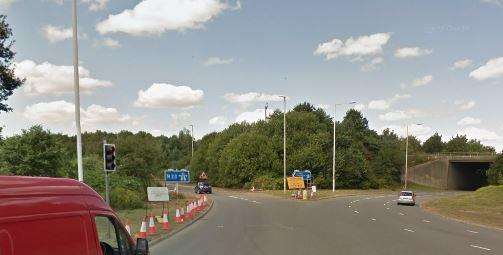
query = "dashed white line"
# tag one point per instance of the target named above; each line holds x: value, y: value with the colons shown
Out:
x: 480, y: 247
x: 372, y: 219
x: 349, y: 206
x: 471, y: 231
x: 256, y: 202
x: 426, y: 221
x: 401, y: 214
x: 387, y: 208
x: 355, y: 211
x: 409, y: 230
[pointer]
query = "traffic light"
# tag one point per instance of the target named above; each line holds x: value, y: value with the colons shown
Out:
x: 109, y: 157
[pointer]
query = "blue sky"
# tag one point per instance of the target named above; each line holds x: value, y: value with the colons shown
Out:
x: 160, y: 65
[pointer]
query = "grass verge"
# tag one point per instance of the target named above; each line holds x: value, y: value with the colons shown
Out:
x: 326, y: 193
x: 483, y: 206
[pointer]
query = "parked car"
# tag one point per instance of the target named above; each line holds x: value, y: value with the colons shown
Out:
x: 202, y: 188
x: 57, y: 216
x: 406, y: 198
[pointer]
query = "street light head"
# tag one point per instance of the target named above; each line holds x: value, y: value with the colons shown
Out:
x: 352, y: 102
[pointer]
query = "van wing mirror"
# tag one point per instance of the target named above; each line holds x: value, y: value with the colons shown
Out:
x: 141, y: 247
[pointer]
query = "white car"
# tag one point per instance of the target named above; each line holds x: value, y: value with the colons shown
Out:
x: 406, y: 197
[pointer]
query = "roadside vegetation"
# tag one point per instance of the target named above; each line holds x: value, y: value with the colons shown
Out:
x: 483, y: 206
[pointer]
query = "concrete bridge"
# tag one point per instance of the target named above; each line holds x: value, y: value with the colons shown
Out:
x: 454, y: 171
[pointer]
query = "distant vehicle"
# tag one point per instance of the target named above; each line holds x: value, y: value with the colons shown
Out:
x: 203, y: 188
x: 406, y: 198
x: 59, y: 216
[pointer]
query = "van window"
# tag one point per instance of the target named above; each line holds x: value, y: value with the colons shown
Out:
x: 113, y: 240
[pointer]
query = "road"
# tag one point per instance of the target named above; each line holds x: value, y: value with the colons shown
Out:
x: 245, y: 223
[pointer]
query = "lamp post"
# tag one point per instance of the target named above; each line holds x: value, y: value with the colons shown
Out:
x: 284, y: 143
x: 192, y: 139
x: 407, y: 153
x: 333, y: 150
x: 76, y: 87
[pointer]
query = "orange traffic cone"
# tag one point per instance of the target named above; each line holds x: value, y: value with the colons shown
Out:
x: 151, y: 225
x: 182, y: 214
x: 165, y: 222
x: 177, y: 216
x: 128, y: 227
x: 143, y: 229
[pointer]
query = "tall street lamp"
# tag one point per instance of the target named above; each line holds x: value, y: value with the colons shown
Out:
x: 333, y: 150
x: 192, y: 139
x: 407, y: 153
x: 77, y: 92
x: 284, y: 143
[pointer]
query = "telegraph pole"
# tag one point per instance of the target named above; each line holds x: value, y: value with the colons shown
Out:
x: 192, y: 139
x: 77, y: 92
x: 284, y: 143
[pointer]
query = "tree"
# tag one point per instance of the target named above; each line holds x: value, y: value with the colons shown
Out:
x: 433, y: 144
x: 34, y: 153
x: 8, y: 82
x: 495, y: 172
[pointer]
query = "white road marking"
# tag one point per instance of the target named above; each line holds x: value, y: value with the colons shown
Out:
x: 368, y: 198
x: 380, y: 197
x: 349, y: 206
x: 401, y: 214
x: 471, y: 231
x: 480, y: 247
x: 387, y: 208
x: 409, y: 230
x: 373, y: 219
x: 220, y: 226
x: 356, y: 211
x: 256, y: 202
x: 426, y: 221
x: 232, y: 197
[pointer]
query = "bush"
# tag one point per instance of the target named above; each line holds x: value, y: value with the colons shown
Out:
x: 323, y: 182
x: 122, y: 198
x: 266, y: 182
x: 495, y: 172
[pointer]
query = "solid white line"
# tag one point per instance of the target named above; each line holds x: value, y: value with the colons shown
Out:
x: 480, y: 247
x: 426, y: 221
x: 409, y: 230
x: 471, y: 231
x: 356, y: 211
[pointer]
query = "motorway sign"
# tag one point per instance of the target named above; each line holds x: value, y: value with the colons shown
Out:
x: 172, y: 175
x: 295, y: 183
x: 158, y: 194
x: 305, y: 174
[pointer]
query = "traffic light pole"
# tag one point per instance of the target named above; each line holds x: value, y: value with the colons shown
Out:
x: 107, y: 186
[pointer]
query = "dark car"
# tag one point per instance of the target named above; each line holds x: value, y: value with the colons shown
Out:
x: 203, y: 188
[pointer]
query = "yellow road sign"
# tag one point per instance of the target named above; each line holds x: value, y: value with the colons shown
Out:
x: 295, y: 183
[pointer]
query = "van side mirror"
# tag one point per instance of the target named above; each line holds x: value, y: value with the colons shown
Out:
x: 141, y: 247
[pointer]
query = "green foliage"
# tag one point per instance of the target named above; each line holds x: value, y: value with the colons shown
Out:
x: 433, y: 144
x: 461, y: 144
x: 8, y: 82
x: 266, y: 182
x: 495, y: 172
x: 35, y: 153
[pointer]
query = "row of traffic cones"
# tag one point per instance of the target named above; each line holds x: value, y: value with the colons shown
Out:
x: 180, y: 216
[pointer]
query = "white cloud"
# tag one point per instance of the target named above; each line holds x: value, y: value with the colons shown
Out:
x: 47, y: 78
x: 461, y: 64
x: 108, y: 42
x: 180, y: 119
x: 6, y: 3
x: 158, y: 16
x: 217, y: 61
x: 96, y: 5
x: 252, y: 116
x: 218, y: 121
x: 359, y: 107
x: 323, y: 106
x: 420, y: 131
x: 400, y: 96
x: 56, y: 34
x: 378, y: 105
x: 399, y: 115
x: 411, y: 52
x: 367, y: 45
x: 373, y: 64
x: 492, y: 69
x: 495, y: 2
x: 466, y: 121
x: 62, y: 111
x: 479, y: 134
x: 422, y: 81
x: 163, y: 95
x: 464, y: 105
x: 251, y: 97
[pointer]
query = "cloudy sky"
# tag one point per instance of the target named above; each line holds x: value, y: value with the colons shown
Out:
x: 161, y: 65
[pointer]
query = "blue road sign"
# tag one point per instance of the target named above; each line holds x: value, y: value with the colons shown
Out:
x: 305, y: 174
x: 172, y: 175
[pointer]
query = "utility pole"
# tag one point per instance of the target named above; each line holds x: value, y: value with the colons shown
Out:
x: 265, y: 110
x: 284, y: 143
x: 333, y: 150
x: 192, y: 139
x: 77, y: 92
